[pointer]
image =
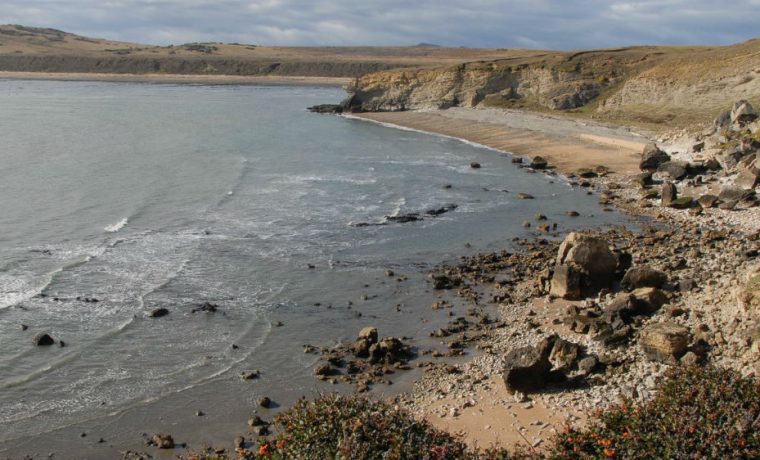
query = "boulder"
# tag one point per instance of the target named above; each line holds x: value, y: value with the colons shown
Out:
x: 728, y: 159
x: 676, y: 170
x: 743, y: 113
x: 708, y: 201
x: 43, y: 340
x: 528, y: 369
x: 749, y: 172
x: 652, y: 157
x: 733, y: 194
x: 539, y: 162
x: 564, y: 354
x: 584, y: 265
x: 474, y: 165
x: 649, y: 299
x: 668, y: 194
x: 643, y: 276
x: 665, y: 342
x: 723, y: 120
x: 369, y: 334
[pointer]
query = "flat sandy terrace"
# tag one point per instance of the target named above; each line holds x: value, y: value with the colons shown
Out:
x: 566, y: 144
x: 179, y: 79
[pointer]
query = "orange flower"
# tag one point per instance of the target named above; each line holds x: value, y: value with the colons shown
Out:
x: 605, y: 442
x: 626, y: 433
x: 263, y: 449
x: 610, y: 452
x: 280, y: 444
x: 692, y: 429
x: 742, y: 443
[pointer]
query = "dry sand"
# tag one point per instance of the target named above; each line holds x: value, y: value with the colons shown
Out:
x: 567, y: 144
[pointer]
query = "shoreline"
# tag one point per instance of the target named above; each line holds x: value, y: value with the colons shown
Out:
x: 568, y: 145
x: 468, y: 398
x: 180, y: 79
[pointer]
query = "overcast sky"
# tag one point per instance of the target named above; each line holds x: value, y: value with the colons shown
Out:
x: 556, y: 24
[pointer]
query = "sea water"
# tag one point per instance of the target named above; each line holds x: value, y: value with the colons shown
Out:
x: 117, y: 199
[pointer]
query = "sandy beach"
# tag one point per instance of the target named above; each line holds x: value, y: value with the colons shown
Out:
x: 567, y: 144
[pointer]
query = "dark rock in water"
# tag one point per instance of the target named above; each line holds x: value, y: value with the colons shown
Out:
x: 250, y: 375
x: 474, y: 165
x: 158, y: 313
x: 708, y: 201
x: 326, y: 108
x: 652, y: 157
x: 163, y: 441
x: 525, y: 196
x: 572, y: 214
x: 638, y: 277
x: 256, y: 421
x: 517, y: 160
x: 207, y: 307
x: 404, y: 218
x: 444, y: 282
x: 442, y: 210
x: 43, y: 340
x: 676, y: 170
x: 665, y: 342
x: 539, y: 162
x: 265, y: 402
x: 23, y: 327
x: 668, y: 194
x: 324, y: 370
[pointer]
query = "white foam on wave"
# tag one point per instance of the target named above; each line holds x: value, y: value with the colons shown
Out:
x: 117, y: 226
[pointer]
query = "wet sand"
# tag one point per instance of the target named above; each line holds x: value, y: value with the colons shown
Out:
x: 567, y: 144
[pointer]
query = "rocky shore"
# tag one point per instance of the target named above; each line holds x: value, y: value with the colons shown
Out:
x: 561, y: 325
x: 604, y: 314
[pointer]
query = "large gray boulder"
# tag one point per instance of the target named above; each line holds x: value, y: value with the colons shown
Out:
x: 652, y: 157
x: 675, y: 170
x: 584, y: 265
x: 743, y: 113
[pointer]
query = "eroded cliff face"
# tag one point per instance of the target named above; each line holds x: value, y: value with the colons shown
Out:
x: 469, y: 85
x: 656, y: 85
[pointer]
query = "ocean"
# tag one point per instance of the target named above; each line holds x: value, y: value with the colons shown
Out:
x: 117, y: 199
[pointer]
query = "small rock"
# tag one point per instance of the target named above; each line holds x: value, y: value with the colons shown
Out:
x: 163, y: 441
x: 158, y: 313
x: 43, y: 340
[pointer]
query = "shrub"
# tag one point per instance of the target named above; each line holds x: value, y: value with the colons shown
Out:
x: 698, y: 413
x: 343, y: 427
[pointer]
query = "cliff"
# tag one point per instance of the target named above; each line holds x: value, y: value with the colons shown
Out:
x: 655, y: 85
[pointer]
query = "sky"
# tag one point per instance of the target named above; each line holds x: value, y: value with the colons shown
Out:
x: 544, y: 24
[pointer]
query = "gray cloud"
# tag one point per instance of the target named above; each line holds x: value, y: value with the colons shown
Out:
x: 555, y: 24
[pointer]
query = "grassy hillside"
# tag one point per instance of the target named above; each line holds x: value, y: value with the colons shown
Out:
x: 27, y: 49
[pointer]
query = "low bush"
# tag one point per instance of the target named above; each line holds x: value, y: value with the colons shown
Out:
x: 703, y: 413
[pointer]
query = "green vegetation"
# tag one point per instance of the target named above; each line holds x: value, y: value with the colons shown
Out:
x: 698, y: 413
x: 704, y: 413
